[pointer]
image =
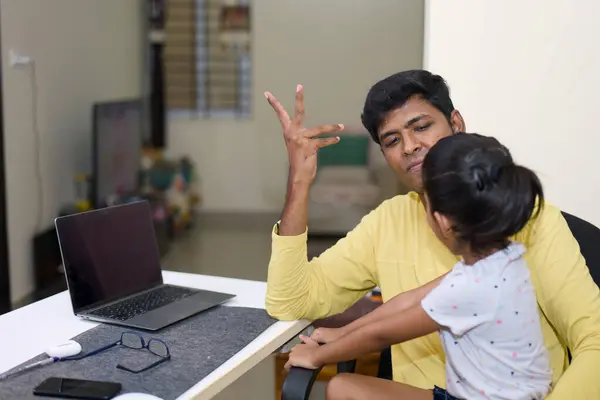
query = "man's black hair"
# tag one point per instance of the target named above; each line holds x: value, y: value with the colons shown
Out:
x: 395, y: 90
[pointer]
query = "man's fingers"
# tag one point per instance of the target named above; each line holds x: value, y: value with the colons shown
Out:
x: 327, y: 141
x: 299, y: 107
x: 283, y: 116
x: 323, y: 129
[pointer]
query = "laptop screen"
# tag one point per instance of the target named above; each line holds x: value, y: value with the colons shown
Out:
x: 109, y: 253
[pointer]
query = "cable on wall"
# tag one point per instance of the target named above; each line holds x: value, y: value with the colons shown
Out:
x: 17, y: 60
x: 37, y: 146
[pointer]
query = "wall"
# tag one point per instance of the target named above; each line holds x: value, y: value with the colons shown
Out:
x: 84, y: 51
x: 527, y: 73
x: 337, y: 50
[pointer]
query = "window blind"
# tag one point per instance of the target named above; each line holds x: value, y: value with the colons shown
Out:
x: 202, y: 72
x: 179, y: 56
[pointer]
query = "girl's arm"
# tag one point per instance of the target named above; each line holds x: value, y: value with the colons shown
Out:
x: 397, y: 304
x: 396, y: 328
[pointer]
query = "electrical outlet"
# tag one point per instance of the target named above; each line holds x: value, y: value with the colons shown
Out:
x: 17, y: 59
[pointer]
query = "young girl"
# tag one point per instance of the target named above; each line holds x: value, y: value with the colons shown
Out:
x: 484, y: 308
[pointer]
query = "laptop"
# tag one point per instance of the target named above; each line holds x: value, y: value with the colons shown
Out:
x: 113, y: 272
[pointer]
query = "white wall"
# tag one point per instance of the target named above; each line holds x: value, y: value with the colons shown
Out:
x: 84, y: 51
x: 337, y: 50
x: 527, y: 72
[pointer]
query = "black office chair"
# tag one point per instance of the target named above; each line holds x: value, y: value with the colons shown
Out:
x: 299, y: 382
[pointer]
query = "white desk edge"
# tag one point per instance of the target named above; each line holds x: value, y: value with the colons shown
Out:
x: 54, y: 317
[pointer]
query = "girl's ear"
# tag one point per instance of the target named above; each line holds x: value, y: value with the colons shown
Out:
x: 444, y: 224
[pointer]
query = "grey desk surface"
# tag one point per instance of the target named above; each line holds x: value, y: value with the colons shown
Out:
x: 198, y: 346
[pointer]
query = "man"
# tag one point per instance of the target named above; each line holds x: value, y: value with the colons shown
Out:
x: 394, y: 248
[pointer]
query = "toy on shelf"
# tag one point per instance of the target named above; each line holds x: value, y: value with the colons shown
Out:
x: 176, y: 182
x: 82, y: 192
x: 179, y: 202
x: 81, y: 202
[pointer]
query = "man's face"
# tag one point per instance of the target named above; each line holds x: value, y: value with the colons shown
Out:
x: 407, y: 133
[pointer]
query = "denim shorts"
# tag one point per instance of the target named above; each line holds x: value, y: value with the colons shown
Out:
x: 442, y: 394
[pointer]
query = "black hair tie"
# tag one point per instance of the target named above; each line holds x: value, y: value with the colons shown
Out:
x: 479, y: 178
x: 495, y: 172
x: 485, y: 179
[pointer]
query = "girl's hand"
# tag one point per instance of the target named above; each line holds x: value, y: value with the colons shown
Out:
x: 326, y: 335
x: 304, y: 355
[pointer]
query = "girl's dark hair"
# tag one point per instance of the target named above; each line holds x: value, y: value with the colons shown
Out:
x: 473, y: 180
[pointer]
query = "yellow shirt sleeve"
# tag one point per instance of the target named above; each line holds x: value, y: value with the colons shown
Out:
x: 326, y: 285
x: 570, y: 300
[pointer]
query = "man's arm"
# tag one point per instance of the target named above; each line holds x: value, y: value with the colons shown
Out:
x: 297, y: 288
x: 294, y: 218
x: 328, y: 284
x: 396, y: 328
x: 302, y: 145
x: 570, y: 300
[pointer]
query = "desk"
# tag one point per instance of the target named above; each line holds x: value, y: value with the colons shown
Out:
x: 28, y: 331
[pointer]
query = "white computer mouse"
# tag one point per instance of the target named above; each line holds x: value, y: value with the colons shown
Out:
x: 68, y: 349
x: 136, y: 396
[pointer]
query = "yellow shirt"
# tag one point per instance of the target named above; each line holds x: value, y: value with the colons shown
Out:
x: 394, y: 248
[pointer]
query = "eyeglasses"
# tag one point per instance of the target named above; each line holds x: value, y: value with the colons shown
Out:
x: 133, y: 340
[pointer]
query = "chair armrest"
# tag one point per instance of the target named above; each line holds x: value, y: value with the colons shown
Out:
x: 298, y: 383
x: 346, y: 367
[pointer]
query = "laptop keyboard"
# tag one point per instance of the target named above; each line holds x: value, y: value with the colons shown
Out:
x: 127, y: 309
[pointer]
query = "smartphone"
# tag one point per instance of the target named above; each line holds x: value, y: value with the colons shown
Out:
x: 77, y: 389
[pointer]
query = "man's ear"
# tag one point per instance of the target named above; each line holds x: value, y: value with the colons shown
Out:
x: 444, y: 223
x: 457, y: 122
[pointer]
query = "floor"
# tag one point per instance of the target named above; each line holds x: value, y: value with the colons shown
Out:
x: 236, y: 246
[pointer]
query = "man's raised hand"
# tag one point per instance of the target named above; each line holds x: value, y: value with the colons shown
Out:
x: 302, y: 143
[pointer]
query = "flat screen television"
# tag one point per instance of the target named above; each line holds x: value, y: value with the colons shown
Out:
x: 118, y: 134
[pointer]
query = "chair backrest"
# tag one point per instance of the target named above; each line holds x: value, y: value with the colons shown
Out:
x: 588, y: 237
x: 352, y: 150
